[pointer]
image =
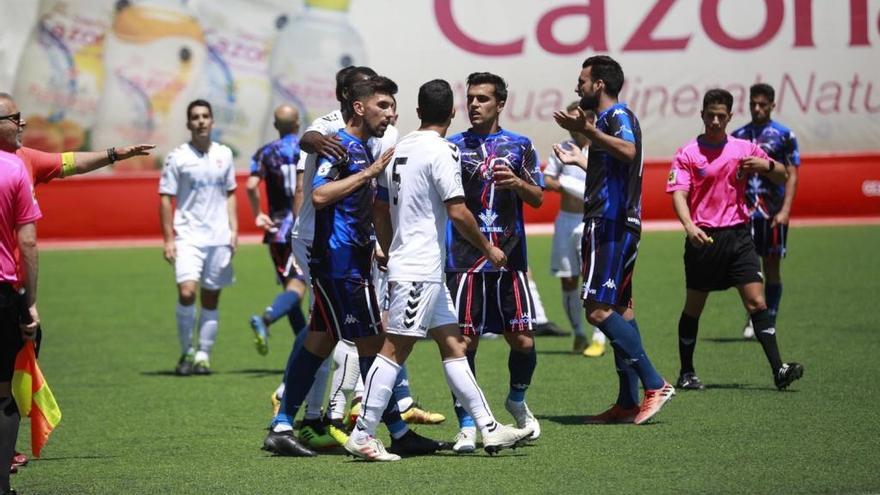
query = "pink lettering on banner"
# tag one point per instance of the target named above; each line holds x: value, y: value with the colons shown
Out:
x: 594, y: 38
x: 643, y: 38
x: 716, y: 32
x: 858, y: 23
x: 803, y: 23
x: 450, y: 29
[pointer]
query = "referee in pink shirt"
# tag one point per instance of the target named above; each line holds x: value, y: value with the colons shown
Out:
x: 18, y: 212
x: 707, y: 182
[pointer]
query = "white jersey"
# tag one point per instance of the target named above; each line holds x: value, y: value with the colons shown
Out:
x: 330, y: 124
x: 200, y: 182
x: 571, y: 177
x: 424, y: 173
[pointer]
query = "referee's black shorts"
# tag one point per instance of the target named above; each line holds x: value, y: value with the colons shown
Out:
x: 10, y: 333
x: 731, y: 260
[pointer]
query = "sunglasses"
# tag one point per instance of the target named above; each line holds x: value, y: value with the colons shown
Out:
x: 13, y: 117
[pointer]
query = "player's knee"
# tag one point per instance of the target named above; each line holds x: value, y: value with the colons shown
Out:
x: 754, y: 305
x: 522, y: 342
x: 597, y: 315
x: 186, y: 298
x: 319, y: 343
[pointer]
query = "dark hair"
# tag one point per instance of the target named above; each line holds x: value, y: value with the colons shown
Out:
x: 489, y: 78
x: 435, y: 101
x: 346, y: 75
x: 718, y: 96
x: 608, y: 70
x: 762, y: 89
x: 365, y: 88
x: 199, y: 103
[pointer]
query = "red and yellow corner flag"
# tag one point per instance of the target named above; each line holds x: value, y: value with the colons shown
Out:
x: 34, y: 398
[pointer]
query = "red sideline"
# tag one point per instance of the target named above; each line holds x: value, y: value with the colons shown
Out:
x: 531, y: 229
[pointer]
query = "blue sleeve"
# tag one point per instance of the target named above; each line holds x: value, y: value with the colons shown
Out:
x: 620, y: 126
x: 531, y: 166
x: 326, y: 170
x: 382, y: 193
x: 256, y: 165
x: 792, y: 153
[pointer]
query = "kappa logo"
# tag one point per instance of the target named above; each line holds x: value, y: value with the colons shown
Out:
x: 488, y: 217
x: 351, y: 320
x: 610, y: 284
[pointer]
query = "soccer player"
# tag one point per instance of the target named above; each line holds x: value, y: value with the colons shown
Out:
x: 19, y: 212
x: 276, y: 162
x: 568, y: 181
x: 202, y: 235
x: 345, y: 300
x: 769, y: 203
x: 416, y: 193
x: 612, y: 219
x: 708, y: 184
x: 500, y: 172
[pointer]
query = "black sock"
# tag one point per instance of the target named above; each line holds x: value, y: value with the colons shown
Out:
x: 765, y: 332
x: 687, y: 341
x: 9, y: 420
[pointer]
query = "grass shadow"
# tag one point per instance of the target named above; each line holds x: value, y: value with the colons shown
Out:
x: 739, y: 386
x: 257, y: 371
x: 728, y: 340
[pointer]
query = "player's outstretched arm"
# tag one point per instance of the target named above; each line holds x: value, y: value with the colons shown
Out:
x: 695, y: 235
x: 261, y: 219
x: 333, y: 191
x: 27, y: 245
x: 790, y: 189
x: 232, y: 213
x: 466, y: 224
x: 572, y: 156
x: 86, y: 161
x: 329, y: 146
x: 166, y: 220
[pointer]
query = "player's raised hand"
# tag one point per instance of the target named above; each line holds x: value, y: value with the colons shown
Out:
x: 570, y: 156
x: 379, y: 165
x: 265, y: 222
x: 504, y: 178
x: 698, y: 238
x: 496, y: 256
x: 331, y: 147
x: 754, y: 165
x: 126, y: 152
x: 575, y: 123
x: 169, y: 251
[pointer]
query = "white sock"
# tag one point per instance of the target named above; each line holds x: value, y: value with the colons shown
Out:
x: 346, y: 378
x: 315, y: 399
x: 279, y: 392
x: 574, y: 308
x: 405, y: 403
x: 463, y: 384
x: 540, y: 315
x: 208, y: 324
x: 186, y: 319
x: 377, y: 392
x: 599, y: 337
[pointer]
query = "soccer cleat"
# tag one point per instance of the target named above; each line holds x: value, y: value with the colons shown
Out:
x: 19, y: 459
x: 580, y: 343
x: 550, y: 329
x: 504, y: 437
x: 261, y: 334
x: 418, y: 416
x: 524, y: 417
x: 337, y: 430
x: 689, y: 381
x: 370, y: 450
x: 653, y: 402
x: 276, y: 403
x: 353, y: 414
x: 184, y: 365
x: 465, y: 441
x: 594, y: 350
x: 788, y: 374
x: 748, y: 330
x: 201, y: 367
x: 315, y: 435
x: 411, y: 443
x: 285, y: 444
x: 613, y: 416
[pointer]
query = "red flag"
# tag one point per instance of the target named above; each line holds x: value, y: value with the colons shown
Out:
x: 34, y: 398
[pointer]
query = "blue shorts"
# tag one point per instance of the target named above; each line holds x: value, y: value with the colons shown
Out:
x: 770, y: 242
x: 346, y: 308
x: 608, y: 258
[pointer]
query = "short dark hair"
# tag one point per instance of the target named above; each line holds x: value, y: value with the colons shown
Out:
x: 489, y: 78
x: 608, y: 70
x: 349, y: 74
x: 199, y: 103
x: 718, y: 96
x: 435, y: 101
x: 366, y: 88
x: 762, y: 89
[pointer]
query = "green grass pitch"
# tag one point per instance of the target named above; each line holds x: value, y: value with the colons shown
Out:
x: 130, y: 427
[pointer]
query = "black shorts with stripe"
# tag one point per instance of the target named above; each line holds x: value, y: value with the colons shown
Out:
x: 770, y: 242
x: 284, y: 262
x: 730, y: 261
x: 608, y: 259
x: 492, y: 302
x: 346, y: 308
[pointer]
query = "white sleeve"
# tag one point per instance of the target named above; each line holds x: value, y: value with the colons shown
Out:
x: 446, y: 172
x: 379, y: 145
x: 324, y: 125
x: 230, y: 174
x: 554, y: 166
x: 168, y: 179
x: 301, y: 163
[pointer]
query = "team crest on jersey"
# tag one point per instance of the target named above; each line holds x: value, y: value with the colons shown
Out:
x: 673, y: 176
x: 488, y: 217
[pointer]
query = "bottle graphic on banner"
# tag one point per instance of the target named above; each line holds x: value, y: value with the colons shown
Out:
x: 61, y: 74
x: 239, y: 35
x: 309, y: 51
x: 154, y: 56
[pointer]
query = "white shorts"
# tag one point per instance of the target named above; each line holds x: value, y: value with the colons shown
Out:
x: 417, y: 307
x: 210, y: 266
x: 565, y: 260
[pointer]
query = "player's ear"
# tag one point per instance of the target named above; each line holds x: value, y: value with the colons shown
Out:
x: 452, y: 115
x: 358, y: 107
x: 419, y: 113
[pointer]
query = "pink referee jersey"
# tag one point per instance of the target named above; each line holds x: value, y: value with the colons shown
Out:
x: 710, y: 174
x: 18, y: 206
